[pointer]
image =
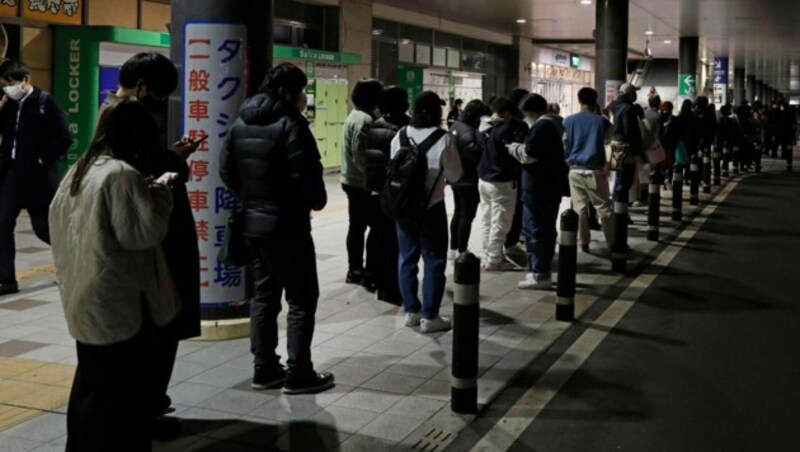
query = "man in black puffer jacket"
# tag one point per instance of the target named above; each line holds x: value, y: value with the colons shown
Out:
x: 272, y: 164
x: 393, y: 104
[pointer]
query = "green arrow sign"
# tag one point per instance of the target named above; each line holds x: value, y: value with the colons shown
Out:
x: 687, y: 85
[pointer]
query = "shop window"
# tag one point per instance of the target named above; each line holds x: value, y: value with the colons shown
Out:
x: 440, y: 57
x: 453, y: 59
x: 282, y: 34
x: 406, y: 51
x: 309, y: 38
x: 423, y: 55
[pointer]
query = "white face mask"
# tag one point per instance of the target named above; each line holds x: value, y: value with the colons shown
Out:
x: 14, y: 91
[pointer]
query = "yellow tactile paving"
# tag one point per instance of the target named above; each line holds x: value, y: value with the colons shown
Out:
x: 31, y: 388
x: 35, y: 271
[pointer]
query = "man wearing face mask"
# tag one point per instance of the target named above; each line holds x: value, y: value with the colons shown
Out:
x: 35, y: 139
x: 272, y: 164
x: 151, y: 77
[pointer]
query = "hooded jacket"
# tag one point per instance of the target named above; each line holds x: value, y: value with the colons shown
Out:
x: 470, y: 150
x: 497, y: 164
x: 272, y: 165
x: 626, y: 125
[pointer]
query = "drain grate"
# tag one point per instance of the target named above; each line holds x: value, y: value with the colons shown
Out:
x: 435, y: 440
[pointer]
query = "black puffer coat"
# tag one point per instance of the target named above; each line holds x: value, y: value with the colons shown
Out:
x: 379, y: 138
x: 470, y: 150
x: 272, y: 164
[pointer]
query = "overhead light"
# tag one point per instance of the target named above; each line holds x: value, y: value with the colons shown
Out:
x: 667, y: 41
x: 377, y: 32
x: 649, y: 32
x: 586, y: 2
x: 521, y: 21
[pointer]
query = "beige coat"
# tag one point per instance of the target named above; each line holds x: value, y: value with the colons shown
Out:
x: 106, y: 244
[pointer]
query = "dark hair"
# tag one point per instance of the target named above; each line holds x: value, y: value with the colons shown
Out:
x: 287, y: 77
x: 701, y: 102
x: 127, y: 131
x: 587, y: 96
x: 393, y: 100
x: 458, y: 102
x: 654, y: 102
x: 426, y: 119
x: 726, y: 110
x: 473, y: 113
x: 503, y: 105
x: 638, y: 110
x: 154, y: 69
x: 366, y: 94
x: 686, y: 107
x: 533, y: 103
x: 517, y: 94
x: 13, y: 70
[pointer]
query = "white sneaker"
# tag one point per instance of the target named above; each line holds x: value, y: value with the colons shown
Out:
x: 452, y: 255
x: 531, y: 282
x: 412, y: 319
x: 434, y: 325
x: 499, y: 266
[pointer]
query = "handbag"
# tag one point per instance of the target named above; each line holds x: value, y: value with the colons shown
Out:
x: 234, y: 251
x: 619, y: 155
x: 656, y: 154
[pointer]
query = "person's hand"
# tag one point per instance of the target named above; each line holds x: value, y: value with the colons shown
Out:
x: 3, y: 101
x: 166, y: 179
x: 184, y: 148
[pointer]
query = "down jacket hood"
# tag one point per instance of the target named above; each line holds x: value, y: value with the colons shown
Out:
x: 262, y: 110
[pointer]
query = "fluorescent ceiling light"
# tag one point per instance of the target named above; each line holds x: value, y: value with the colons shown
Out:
x: 586, y: 2
x: 667, y: 41
x: 649, y: 32
x: 521, y: 21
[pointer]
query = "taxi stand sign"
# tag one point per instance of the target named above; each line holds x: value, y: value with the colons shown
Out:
x: 214, y: 88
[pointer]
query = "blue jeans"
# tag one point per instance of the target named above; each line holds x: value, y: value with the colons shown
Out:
x: 427, y: 238
x: 625, y: 178
x: 539, y: 223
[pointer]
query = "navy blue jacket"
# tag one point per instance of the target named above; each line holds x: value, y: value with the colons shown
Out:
x: 42, y: 138
x: 547, y: 178
x: 497, y: 164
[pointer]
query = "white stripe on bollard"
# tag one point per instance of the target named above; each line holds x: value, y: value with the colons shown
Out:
x: 655, y: 189
x: 568, y: 238
x: 463, y: 383
x: 565, y: 301
x: 620, y: 207
x: 466, y: 294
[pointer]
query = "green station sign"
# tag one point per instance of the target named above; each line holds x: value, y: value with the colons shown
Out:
x: 318, y: 56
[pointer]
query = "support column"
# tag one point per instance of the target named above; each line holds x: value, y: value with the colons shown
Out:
x: 760, y: 91
x: 519, y: 75
x: 611, y: 48
x: 751, y: 88
x: 222, y: 50
x: 720, y: 81
x: 687, y: 70
x: 355, y: 36
x: 739, y: 93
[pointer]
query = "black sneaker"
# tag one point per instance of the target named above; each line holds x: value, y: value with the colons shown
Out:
x: 368, y: 282
x: 8, y: 288
x: 311, y: 384
x: 264, y: 378
x: 354, y: 277
x: 166, y: 428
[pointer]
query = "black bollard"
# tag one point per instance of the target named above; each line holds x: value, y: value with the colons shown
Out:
x: 706, y: 171
x: 717, y: 167
x: 619, y: 250
x: 737, y: 155
x: 789, y: 159
x: 694, y: 181
x: 758, y: 152
x: 677, y: 193
x: 466, y: 325
x: 567, y: 266
x: 654, y: 205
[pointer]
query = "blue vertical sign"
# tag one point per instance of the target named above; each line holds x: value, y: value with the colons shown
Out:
x: 720, y: 80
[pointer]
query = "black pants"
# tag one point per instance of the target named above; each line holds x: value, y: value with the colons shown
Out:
x: 284, y: 262
x: 362, y: 208
x: 383, y: 264
x: 467, y: 199
x: 165, y: 351
x: 9, y: 211
x: 109, y: 406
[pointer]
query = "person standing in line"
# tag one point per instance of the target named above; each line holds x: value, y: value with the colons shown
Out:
x: 544, y: 183
x: 554, y: 114
x: 393, y: 104
x: 584, y: 138
x: 108, y: 219
x: 362, y: 205
x: 465, y: 191
x: 272, y: 165
x: 626, y: 132
x: 513, y: 243
x: 427, y: 237
x: 35, y: 138
x: 498, y: 173
x: 151, y: 77
x: 455, y: 112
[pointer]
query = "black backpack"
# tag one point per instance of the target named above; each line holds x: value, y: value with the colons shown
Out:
x: 404, y: 198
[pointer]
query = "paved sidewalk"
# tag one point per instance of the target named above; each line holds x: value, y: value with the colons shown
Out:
x: 392, y: 382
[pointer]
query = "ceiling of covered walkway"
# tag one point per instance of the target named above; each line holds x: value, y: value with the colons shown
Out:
x: 762, y: 36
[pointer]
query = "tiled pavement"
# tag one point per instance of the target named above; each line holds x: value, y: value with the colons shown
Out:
x: 392, y: 382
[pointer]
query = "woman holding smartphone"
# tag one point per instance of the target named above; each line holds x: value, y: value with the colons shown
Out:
x: 108, y: 219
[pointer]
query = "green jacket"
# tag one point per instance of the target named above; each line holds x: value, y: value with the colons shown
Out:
x: 354, y: 149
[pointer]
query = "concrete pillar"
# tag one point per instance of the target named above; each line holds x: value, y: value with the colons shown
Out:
x: 687, y: 66
x: 751, y: 88
x: 521, y: 58
x: 739, y: 92
x: 759, y: 91
x: 611, y: 48
x: 222, y: 50
x: 355, y: 36
x: 37, y: 53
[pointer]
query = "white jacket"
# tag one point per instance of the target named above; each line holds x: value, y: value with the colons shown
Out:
x: 106, y: 244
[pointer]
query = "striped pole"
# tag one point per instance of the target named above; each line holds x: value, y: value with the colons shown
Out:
x: 707, y: 171
x: 726, y: 162
x: 758, y: 151
x: 694, y: 181
x: 654, y: 205
x: 717, y: 167
x: 677, y: 193
x: 737, y: 155
x: 567, y: 266
x: 619, y: 250
x: 466, y: 319
x: 789, y: 159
